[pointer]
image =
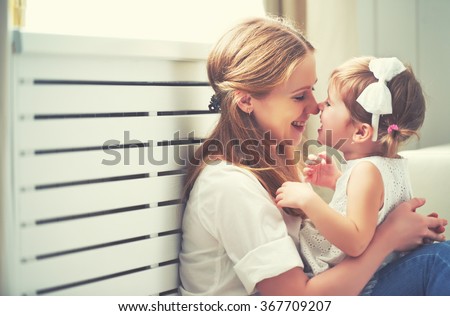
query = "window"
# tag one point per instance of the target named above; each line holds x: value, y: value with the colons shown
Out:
x: 175, y: 20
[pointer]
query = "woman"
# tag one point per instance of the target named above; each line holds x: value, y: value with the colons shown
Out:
x: 235, y: 240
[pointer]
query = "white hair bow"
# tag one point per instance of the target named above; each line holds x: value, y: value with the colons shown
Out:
x: 376, y: 97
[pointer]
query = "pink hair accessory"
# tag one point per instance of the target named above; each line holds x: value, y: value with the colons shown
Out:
x: 392, y: 127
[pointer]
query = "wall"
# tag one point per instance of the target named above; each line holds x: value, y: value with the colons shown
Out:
x: 5, y: 137
x: 415, y: 31
x: 418, y: 33
x: 332, y: 29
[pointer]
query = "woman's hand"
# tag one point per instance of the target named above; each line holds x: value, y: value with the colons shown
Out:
x: 406, y: 229
x: 321, y: 170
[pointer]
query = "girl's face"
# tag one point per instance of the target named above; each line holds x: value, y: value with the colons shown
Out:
x: 335, y: 117
x: 286, y: 109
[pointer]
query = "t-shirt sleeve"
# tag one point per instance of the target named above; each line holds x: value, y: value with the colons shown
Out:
x: 245, y: 220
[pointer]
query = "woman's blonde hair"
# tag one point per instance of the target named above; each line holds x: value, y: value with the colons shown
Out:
x: 253, y: 57
x: 408, y: 102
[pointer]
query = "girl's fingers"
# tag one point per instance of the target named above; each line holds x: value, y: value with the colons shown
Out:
x: 432, y: 236
x: 325, y: 157
x: 313, y: 160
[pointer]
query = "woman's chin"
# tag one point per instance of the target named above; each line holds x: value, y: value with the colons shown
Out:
x: 297, y: 134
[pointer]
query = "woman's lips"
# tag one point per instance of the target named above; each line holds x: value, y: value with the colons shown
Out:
x: 298, y: 125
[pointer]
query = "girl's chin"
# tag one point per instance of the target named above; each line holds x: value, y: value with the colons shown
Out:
x: 320, y: 137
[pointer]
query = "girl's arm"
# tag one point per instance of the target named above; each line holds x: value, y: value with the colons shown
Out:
x: 402, y: 230
x: 351, y: 233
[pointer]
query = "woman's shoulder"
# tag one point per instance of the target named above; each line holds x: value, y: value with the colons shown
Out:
x: 225, y: 173
x: 223, y: 185
x: 223, y: 180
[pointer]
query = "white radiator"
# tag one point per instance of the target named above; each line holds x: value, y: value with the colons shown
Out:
x: 100, y: 131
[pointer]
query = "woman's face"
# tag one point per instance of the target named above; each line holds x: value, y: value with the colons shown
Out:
x: 286, y: 109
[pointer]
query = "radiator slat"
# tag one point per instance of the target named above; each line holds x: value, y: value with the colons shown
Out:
x: 109, y: 68
x: 72, y: 133
x: 149, y: 282
x: 63, y: 99
x: 88, y: 265
x: 82, y: 199
x: 93, y: 231
x: 77, y: 166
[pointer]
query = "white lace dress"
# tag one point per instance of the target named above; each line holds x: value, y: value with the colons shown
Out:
x: 318, y: 253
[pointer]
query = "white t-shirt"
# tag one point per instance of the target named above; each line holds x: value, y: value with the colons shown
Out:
x: 233, y: 234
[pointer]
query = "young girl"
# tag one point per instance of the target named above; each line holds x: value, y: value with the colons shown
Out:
x: 374, y: 105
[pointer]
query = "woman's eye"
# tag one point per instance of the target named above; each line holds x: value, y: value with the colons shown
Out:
x: 300, y: 97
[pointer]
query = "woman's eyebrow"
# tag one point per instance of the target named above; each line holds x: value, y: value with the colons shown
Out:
x: 303, y: 88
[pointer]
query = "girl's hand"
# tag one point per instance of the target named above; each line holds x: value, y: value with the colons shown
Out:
x: 439, y: 229
x: 294, y: 195
x: 321, y: 170
x: 407, y: 229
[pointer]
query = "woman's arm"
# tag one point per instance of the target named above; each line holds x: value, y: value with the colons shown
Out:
x: 402, y: 230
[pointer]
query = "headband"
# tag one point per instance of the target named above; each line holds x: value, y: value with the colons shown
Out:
x: 376, y: 97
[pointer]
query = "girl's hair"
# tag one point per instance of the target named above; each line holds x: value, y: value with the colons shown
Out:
x: 254, y: 57
x: 408, y: 102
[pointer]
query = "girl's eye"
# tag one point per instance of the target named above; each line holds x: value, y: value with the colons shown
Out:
x: 300, y: 97
x: 327, y: 104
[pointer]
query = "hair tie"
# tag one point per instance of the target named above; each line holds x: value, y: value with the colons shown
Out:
x: 214, y: 104
x: 376, y: 97
x: 391, y: 128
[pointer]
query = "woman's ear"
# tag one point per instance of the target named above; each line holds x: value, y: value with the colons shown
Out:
x: 363, y: 132
x: 244, y: 101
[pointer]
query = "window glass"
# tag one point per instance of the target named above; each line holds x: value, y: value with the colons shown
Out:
x: 176, y: 20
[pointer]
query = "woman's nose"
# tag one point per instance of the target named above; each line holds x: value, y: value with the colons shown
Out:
x: 313, y: 107
x: 321, y: 106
